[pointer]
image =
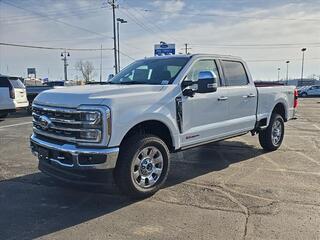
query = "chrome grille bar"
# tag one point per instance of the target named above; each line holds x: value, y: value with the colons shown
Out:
x: 66, y: 125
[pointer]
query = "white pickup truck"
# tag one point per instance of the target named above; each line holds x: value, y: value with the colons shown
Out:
x: 151, y: 108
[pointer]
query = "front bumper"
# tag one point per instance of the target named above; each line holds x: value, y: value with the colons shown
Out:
x: 69, y: 156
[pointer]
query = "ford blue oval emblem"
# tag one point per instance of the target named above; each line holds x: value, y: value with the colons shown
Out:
x: 164, y: 45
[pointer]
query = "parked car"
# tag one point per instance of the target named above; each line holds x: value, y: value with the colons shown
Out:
x: 151, y: 108
x: 309, y: 91
x: 33, y: 91
x: 12, y: 95
x: 54, y: 83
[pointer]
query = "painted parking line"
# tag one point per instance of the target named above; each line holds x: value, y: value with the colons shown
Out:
x: 13, y: 125
x: 316, y: 126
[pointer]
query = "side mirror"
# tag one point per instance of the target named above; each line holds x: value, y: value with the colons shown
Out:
x: 110, y: 76
x: 207, y: 82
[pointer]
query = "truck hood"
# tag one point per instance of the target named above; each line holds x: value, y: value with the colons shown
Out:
x: 72, y: 97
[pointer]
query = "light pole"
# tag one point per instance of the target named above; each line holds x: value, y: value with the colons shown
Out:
x: 279, y: 74
x: 64, y: 56
x: 287, y: 78
x: 302, y: 50
x: 119, y: 20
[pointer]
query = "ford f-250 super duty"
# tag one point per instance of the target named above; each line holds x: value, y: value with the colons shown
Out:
x: 151, y: 108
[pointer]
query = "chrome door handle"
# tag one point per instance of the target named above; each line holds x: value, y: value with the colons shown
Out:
x: 222, y: 98
x: 251, y: 95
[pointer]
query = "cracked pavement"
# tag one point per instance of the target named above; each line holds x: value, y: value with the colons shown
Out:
x: 226, y: 190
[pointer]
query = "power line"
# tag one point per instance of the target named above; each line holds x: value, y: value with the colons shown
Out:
x: 278, y: 60
x: 33, y: 18
x: 233, y: 16
x: 53, y: 48
x: 152, y: 23
x: 137, y: 21
x: 256, y: 44
x: 53, y: 19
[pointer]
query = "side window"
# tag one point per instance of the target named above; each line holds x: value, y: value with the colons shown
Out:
x: 235, y: 73
x: 4, y: 82
x: 203, y: 65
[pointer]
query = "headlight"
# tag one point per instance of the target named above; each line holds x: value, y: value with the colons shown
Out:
x: 93, y: 117
x: 95, y: 125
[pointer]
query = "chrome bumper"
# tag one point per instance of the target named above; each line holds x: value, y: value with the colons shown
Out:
x: 111, y: 154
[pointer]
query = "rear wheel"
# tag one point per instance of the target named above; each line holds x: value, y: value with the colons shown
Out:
x: 142, y: 166
x: 304, y: 94
x: 271, y: 138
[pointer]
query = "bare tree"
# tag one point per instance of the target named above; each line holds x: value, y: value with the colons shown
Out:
x: 86, y: 68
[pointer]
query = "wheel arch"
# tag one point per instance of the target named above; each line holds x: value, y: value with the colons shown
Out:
x: 280, y: 109
x: 155, y: 127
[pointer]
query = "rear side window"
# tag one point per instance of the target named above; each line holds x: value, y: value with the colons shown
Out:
x: 4, y: 82
x: 16, y: 83
x: 235, y: 73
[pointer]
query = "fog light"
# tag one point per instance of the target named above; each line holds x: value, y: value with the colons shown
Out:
x: 90, y: 135
x: 87, y: 159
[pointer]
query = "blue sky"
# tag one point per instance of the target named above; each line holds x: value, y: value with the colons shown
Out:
x: 265, y: 33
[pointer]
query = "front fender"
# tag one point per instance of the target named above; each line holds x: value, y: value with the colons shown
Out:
x: 121, y: 128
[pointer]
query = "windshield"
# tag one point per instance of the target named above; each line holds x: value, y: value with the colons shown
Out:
x: 16, y: 83
x: 151, y: 71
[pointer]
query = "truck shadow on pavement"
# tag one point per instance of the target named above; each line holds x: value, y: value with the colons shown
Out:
x: 35, y: 205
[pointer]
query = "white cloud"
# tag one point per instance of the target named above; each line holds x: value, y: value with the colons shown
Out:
x: 172, y: 6
x: 225, y: 26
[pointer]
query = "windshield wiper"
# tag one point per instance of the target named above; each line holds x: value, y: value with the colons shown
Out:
x: 133, y: 82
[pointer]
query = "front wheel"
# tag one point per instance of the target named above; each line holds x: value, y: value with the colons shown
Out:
x: 142, y: 166
x: 271, y: 138
x: 304, y: 94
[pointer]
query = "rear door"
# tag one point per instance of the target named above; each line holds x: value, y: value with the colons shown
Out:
x: 19, y: 90
x: 242, y: 96
x: 5, y: 100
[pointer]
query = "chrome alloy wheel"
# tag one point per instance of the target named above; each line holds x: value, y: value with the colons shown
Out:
x: 276, y: 132
x: 147, y: 167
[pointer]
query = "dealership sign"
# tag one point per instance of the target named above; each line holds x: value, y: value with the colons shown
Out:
x: 31, y: 72
x: 164, y: 49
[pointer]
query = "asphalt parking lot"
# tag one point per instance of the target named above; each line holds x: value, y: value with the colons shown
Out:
x: 226, y: 190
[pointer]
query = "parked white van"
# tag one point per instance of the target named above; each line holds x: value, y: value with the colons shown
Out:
x: 13, y: 95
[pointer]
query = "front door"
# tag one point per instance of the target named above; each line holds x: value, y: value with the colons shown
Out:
x: 204, y: 114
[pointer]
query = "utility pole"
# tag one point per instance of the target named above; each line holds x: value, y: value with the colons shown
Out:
x: 287, y: 78
x: 113, y: 5
x: 101, y: 64
x: 119, y: 20
x: 186, y: 48
x: 302, y: 50
x: 64, y: 56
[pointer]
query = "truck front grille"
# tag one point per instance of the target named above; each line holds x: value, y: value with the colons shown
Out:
x: 66, y: 124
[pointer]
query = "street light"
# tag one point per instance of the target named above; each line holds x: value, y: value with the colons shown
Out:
x: 279, y: 74
x: 64, y: 56
x: 287, y: 62
x: 302, y: 50
x: 119, y: 20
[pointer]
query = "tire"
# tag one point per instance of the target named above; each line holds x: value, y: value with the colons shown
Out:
x: 139, y: 172
x: 304, y: 94
x: 3, y: 115
x: 271, y: 138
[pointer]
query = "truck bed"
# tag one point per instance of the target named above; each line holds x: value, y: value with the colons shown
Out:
x: 270, y: 95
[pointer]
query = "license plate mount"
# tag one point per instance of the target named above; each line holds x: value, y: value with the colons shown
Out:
x: 43, y: 154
